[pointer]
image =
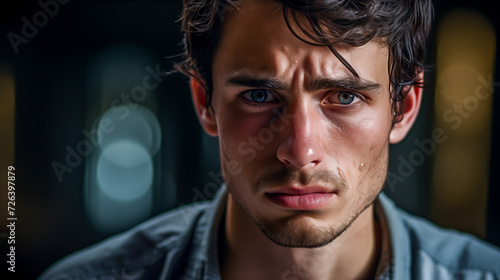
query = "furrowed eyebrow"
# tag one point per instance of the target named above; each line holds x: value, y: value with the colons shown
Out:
x: 345, y: 83
x: 318, y: 84
x: 256, y: 82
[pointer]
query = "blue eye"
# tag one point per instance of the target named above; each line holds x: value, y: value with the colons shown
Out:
x: 259, y: 96
x: 345, y: 97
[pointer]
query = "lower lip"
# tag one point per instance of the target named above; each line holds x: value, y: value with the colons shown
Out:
x: 309, y: 201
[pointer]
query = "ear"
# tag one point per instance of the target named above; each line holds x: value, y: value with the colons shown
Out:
x: 205, y: 114
x: 411, y: 106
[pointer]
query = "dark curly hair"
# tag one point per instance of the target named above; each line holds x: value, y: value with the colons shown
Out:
x: 402, y: 25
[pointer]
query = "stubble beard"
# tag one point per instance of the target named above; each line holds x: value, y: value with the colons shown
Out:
x: 294, y: 232
x: 291, y: 232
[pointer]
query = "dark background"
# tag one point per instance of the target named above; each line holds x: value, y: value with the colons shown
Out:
x: 53, y: 105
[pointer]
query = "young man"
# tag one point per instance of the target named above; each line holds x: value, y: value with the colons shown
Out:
x: 305, y: 97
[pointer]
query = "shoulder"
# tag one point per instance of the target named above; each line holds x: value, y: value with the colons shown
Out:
x: 448, y: 251
x: 128, y: 253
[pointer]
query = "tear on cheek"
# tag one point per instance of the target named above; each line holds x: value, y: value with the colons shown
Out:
x: 362, y: 167
x: 341, y: 174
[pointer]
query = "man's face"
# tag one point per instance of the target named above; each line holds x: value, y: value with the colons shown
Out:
x: 304, y: 144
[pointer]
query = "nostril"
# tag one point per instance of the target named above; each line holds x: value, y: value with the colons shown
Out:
x: 315, y: 163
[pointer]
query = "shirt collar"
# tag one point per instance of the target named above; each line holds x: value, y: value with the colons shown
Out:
x: 400, y: 240
x: 385, y: 258
x: 393, y: 232
x: 209, y: 232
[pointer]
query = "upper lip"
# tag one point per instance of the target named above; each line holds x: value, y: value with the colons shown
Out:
x: 300, y: 190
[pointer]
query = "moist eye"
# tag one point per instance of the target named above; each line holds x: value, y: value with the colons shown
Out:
x: 259, y: 96
x: 346, y: 97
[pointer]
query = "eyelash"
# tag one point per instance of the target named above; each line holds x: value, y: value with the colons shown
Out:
x: 258, y: 105
x: 356, y: 94
x: 331, y: 93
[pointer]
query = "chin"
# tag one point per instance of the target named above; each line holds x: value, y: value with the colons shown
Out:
x: 299, y: 232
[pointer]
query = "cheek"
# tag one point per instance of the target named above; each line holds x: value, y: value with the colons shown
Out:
x: 365, y: 144
x: 241, y: 136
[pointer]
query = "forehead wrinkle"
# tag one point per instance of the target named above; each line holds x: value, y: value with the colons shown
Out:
x: 257, y: 42
x: 250, y: 43
x: 323, y: 69
x: 282, y: 62
x: 320, y: 64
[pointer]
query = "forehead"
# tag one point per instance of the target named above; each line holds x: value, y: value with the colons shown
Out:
x: 256, y: 39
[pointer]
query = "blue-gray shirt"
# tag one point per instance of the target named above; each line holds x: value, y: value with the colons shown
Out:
x: 182, y: 244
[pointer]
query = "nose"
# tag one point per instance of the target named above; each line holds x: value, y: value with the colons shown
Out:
x: 301, y: 146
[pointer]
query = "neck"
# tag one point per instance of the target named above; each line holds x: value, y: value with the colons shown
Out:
x: 249, y: 254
